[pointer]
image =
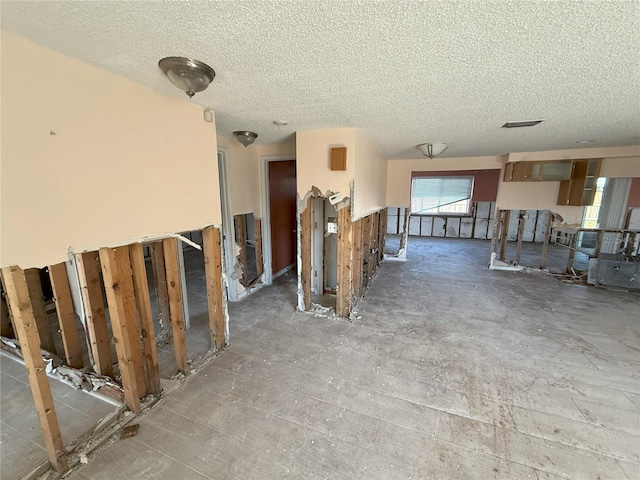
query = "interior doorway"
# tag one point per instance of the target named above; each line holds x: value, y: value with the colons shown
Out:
x: 228, y: 234
x: 279, y: 216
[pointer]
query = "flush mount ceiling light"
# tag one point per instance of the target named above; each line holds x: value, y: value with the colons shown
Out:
x: 246, y: 138
x: 527, y: 123
x: 432, y: 149
x: 187, y: 74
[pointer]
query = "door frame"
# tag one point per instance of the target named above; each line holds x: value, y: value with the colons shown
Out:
x: 228, y: 232
x: 267, y: 276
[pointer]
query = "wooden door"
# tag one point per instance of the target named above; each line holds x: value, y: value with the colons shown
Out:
x: 282, y: 209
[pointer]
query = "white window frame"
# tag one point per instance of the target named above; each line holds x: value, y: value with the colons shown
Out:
x: 436, y: 211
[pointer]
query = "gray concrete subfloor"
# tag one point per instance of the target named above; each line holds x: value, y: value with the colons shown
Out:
x: 21, y: 444
x: 451, y: 371
x: 531, y: 254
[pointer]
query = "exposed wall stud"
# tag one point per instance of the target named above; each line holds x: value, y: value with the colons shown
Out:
x: 66, y: 314
x: 345, y: 286
x: 170, y: 248
x: 96, y: 321
x: 26, y: 329
x: 116, y: 270
x: 143, y: 302
x: 39, y: 309
x: 160, y: 283
x: 357, y: 257
x: 257, y: 226
x: 212, y: 249
x: 305, y: 245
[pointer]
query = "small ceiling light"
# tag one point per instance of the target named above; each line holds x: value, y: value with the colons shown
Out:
x: 280, y: 123
x: 246, y: 138
x: 432, y: 149
x: 527, y: 123
x: 187, y: 74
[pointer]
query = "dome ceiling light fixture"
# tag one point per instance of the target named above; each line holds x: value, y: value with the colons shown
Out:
x: 245, y: 137
x: 432, y: 149
x: 187, y: 74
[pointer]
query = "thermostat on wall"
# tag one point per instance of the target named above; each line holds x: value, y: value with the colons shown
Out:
x: 335, y: 198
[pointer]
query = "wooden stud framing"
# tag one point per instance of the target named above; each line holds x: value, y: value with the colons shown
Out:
x: 545, y: 242
x: 96, y: 321
x: 305, y: 245
x: 366, y: 249
x: 6, y: 323
x: 212, y: 249
x: 26, y: 329
x: 170, y: 248
x: 496, y: 232
x: 599, y: 238
x: 241, y: 241
x: 116, y: 270
x: 357, y: 257
x: 504, y: 237
x: 521, y: 220
x: 160, y: 283
x: 66, y: 314
x: 375, y: 232
x: 141, y: 285
x: 257, y: 227
x: 383, y: 233
x: 345, y: 285
x: 631, y: 242
x: 39, y: 310
x: 572, y: 251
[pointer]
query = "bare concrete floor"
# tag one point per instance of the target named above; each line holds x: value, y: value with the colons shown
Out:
x: 452, y: 371
x: 22, y: 447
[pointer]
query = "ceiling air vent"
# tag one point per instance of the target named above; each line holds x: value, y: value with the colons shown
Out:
x: 528, y: 123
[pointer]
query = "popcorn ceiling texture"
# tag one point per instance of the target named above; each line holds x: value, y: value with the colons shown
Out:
x: 403, y: 72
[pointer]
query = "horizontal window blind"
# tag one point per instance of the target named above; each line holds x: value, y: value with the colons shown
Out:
x: 432, y: 195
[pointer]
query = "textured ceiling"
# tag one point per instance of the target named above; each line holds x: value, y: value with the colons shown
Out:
x: 404, y: 72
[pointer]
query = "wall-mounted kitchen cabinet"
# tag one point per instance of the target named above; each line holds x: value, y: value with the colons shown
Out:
x: 538, y: 171
x: 580, y: 189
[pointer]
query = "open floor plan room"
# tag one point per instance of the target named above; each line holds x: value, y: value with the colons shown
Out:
x: 449, y: 370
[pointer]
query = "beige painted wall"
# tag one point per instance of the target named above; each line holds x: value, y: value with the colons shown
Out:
x: 243, y: 164
x: 370, y: 180
x: 399, y: 173
x: 244, y: 175
x: 125, y: 162
x: 617, y: 162
x: 620, y: 167
x: 535, y: 196
x: 313, y: 153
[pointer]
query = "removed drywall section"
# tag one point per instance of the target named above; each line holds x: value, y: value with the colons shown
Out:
x: 97, y: 161
x: 370, y: 178
x: 478, y: 225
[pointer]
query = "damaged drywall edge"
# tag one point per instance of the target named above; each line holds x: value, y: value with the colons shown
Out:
x: 401, y: 256
x: 144, y: 239
x: 301, y: 205
x: 299, y: 211
x: 503, y: 266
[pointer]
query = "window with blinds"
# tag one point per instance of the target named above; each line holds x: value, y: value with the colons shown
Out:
x: 441, y: 195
